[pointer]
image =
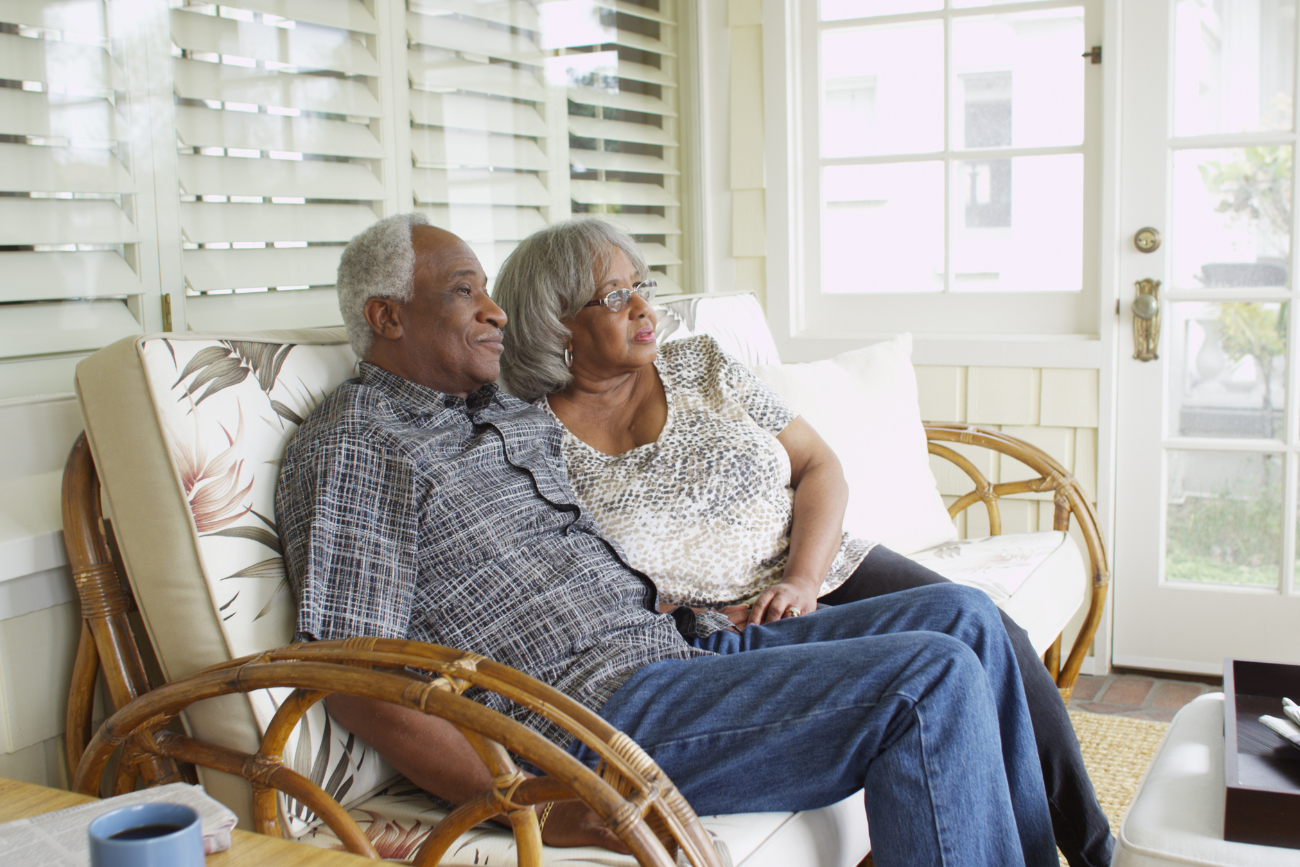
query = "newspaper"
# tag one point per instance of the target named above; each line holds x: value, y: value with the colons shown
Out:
x: 59, y: 839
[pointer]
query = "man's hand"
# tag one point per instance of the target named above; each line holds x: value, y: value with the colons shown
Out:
x: 573, y: 823
x: 738, y: 615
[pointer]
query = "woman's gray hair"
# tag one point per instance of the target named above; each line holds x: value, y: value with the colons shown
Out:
x: 378, y: 263
x: 549, y: 277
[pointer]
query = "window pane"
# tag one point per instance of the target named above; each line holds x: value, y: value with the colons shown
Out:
x: 1018, y: 224
x: 1224, y: 519
x: 882, y: 90
x: 1232, y: 217
x: 1227, y: 369
x: 1019, y: 79
x: 839, y: 10
x: 1234, y: 65
x: 882, y: 228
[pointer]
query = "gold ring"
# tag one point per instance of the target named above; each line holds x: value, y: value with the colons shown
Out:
x: 792, y: 611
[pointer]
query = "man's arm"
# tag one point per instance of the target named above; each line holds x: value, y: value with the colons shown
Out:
x: 431, y: 753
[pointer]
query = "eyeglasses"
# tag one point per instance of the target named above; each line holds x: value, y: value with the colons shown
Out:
x: 615, y: 301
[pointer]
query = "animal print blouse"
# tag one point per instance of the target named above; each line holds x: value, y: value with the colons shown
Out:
x: 704, y: 510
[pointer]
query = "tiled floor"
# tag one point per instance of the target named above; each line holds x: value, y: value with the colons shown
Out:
x: 1139, y: 695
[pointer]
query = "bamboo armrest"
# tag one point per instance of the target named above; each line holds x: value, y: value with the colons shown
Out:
x: 1070, y: 501
x: 629, y: 792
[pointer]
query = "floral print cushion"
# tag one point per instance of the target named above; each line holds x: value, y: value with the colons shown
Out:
x: 227, y: 409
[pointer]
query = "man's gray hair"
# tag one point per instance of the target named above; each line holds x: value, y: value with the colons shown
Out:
x: 549, y: 277
x: 378, y: 263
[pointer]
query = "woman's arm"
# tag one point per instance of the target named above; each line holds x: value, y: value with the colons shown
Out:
x: 820, y: 497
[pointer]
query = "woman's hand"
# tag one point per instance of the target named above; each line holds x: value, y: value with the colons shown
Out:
x: 573, y: 823
x: 791, y: 598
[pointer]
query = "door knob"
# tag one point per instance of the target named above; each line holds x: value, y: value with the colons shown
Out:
x: 1146, y: 320
x: 1147, y: 240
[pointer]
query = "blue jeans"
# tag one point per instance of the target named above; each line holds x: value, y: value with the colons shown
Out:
x: 914, y: 697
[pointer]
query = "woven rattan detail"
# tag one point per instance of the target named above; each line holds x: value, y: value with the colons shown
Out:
x: 502, y: 796
x: 102, y: 594
x: 259, y: 770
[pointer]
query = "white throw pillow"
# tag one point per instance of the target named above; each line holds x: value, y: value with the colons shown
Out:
x: 864, y: 404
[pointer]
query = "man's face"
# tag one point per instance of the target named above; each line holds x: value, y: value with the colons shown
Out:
x: 451, y: 329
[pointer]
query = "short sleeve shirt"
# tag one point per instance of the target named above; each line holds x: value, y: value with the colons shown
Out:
x: 407, y: 513
x: 705, y: 509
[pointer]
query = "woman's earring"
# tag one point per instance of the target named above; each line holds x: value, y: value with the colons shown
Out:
x: 568, y: 356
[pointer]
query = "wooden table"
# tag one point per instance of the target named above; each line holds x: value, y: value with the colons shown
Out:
x: 20, y: 800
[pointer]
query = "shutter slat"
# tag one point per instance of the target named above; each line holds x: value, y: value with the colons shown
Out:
x: 35, y: 169
x: 491, y: 255
x: 44, y: 276
x: 39, y: 114
x: 635, y: 10
x: 666, y: 286
x: 204, y: 127
x: 206, y: 270
x: 313, y: 179
x: 344, y: 14
x: 199, y: 80
x: 306, y: 47
x: 478, y: 188
x: 75, y: 63
x: 76, y: 16
x: 453, y: 35
x: 643, y: 72
x: 593, y: 127
x: 493, y: 80
x: 621, y: 100
x: 641, y: 42
x: 514, y: 14
x: 658, y: 254
x: 613, y: 161
x: 26, y: 222
x: 440, y: 149
x: 462, y: 111
x: 480, y: 224
x: 219, y: 222
x: 644, y: 224
x: 305, y: 308
x: 45, y: 328
x: 40, y: 375
x: 620, y: 193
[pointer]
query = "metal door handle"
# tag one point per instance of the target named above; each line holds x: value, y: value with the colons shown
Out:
x: 1146, y: 320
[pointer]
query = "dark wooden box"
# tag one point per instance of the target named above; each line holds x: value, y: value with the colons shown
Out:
x: 1260, y: 769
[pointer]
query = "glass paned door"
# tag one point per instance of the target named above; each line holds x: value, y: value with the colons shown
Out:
x: 1206, y: 518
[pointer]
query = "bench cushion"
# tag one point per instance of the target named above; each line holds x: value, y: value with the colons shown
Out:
x: 1037, y: 578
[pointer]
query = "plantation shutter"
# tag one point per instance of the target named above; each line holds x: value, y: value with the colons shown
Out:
x: 280, y: 163
x: 623, y: 130
x: 69, y: 246
x: 527, y: 113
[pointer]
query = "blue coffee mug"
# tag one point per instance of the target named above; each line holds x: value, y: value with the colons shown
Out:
x: 147, y: 835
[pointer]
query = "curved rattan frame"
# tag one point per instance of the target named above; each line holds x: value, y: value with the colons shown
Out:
x: 628, y: 790
x: 1069, y: 500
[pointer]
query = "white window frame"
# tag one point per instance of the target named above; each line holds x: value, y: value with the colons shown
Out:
x: 995, y: 329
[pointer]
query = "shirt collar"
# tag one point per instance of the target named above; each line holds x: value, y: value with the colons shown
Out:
x: 420, y: 398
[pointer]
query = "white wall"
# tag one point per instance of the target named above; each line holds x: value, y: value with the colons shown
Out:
x: 39, y: 618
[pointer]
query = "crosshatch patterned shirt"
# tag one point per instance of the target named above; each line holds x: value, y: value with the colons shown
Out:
x: 408, y: 513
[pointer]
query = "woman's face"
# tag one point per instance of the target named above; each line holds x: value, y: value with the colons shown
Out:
x: 606, y: 344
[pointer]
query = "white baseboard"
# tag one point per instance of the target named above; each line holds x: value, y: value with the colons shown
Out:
x: 1154, y: 663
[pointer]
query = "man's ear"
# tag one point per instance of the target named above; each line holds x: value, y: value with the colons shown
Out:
x: 385, y: 317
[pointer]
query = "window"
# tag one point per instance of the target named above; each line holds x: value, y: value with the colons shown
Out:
x: 173, y: 163
x: 946, y: 167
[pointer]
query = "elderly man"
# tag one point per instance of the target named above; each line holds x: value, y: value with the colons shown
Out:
x: 420, y: 502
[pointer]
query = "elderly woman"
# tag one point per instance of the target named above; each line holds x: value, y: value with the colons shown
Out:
x: 714, y: 488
